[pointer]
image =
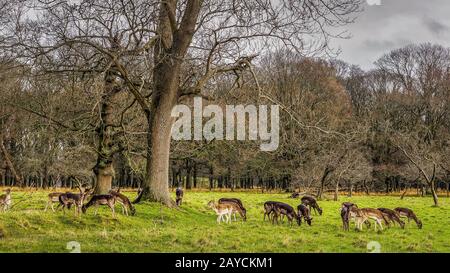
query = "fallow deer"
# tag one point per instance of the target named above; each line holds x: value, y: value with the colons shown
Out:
x: 362, y: 215
x: 242, y: 211
x: 223, y: 210
x: 269, y: 209
x: 408, y: 213
x: 179, y: 193
x: 311, y: 202
x: 392, y: 216
x: 5, y: 200
x: 124, y: 202
x: 53, y: 198
x: 101, y: 199
x: 304, y: 212
x: 284, y: 209
x: 345, y: 214
x: 66, y: 200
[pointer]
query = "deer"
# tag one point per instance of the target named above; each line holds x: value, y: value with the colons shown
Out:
x: 408, y: 213
x: 362, y: 215
x: 311, y: 202
x: 392, y: 216
x: 304, y: 212
x: 280, y: 209
x: 101, y: 200
x: 66, y: 200
x: 242, y: 211
x: 5, y: 200
x: 179, y: 193
x: 269, y: 209
x: 53, y: 198
x: 345, y: 213
x: 124, y: 202
x: 223, y: 210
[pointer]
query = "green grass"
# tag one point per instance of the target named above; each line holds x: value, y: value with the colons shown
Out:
x: 27, y: 228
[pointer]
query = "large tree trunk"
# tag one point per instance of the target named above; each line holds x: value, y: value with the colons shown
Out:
x: 107, y: 146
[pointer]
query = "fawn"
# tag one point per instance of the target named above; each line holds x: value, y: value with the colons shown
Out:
x: 362, y: 215
x: 222, y: 210
x: 311, y: 202
x: 101, y: 199
x: 408, y: 213
x: 124, y: 201
x: 242, y: 211
x: 5, y: 200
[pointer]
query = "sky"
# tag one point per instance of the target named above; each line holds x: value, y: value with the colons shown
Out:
x: 393, y: 24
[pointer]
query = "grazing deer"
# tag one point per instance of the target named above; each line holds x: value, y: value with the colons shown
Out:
x: 179, y: 193
x: 223, y: 210
x: 124, y: 202
x: 392, y: 216
x: 311, y: 202
x: 280, y: 209
x: 242, y: 211
x: 408, y: 213
x: 101, y: 199
x: 5, y: 200
x: 269, y: 209
x: 66, y: 200
x: 303, y: 211
x: 362, y: 215
x: 53, y: 198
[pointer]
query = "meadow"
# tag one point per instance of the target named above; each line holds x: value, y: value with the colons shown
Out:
x: 193, y: 228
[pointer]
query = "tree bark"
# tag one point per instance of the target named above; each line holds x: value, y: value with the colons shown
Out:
x: 107, y: 145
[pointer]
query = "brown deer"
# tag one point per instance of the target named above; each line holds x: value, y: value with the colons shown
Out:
x: 311, y: 202
x: 345, y: 214
x: 304, y: 212
x: 5, y: 200
x: 223, y: 210
x: 392, y: 216
x: 280, y: 209
x: 124, y: 202
x: 362, y: 215
x: 269, y: 209
x: 101, y: 199
x: 242, y: 211
x: 179, y: 193
x: 53, y: 198
x: 66, y: 200
x: 408, y: 213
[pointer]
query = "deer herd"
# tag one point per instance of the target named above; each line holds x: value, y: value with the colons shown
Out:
x: 275, y: 211
x: 227, y: 208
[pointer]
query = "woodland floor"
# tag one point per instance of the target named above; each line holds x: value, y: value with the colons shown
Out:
x: 193, y: 228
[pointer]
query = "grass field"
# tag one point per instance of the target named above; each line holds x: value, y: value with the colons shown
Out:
x: 193, y: 228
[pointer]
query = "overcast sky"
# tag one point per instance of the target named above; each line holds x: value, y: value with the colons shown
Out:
x: 393, y: 24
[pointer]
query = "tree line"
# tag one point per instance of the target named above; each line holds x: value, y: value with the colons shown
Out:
x: 87, y: 89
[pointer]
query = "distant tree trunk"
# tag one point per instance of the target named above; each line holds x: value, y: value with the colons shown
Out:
x: 211, y: 177
x: 328, y: 170
x: 366, y: 188
x: 336, y: 191
x: 351, y: 190
x: 8, y: 161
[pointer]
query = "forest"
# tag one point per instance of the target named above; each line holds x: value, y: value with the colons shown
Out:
x: 86, y: 89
